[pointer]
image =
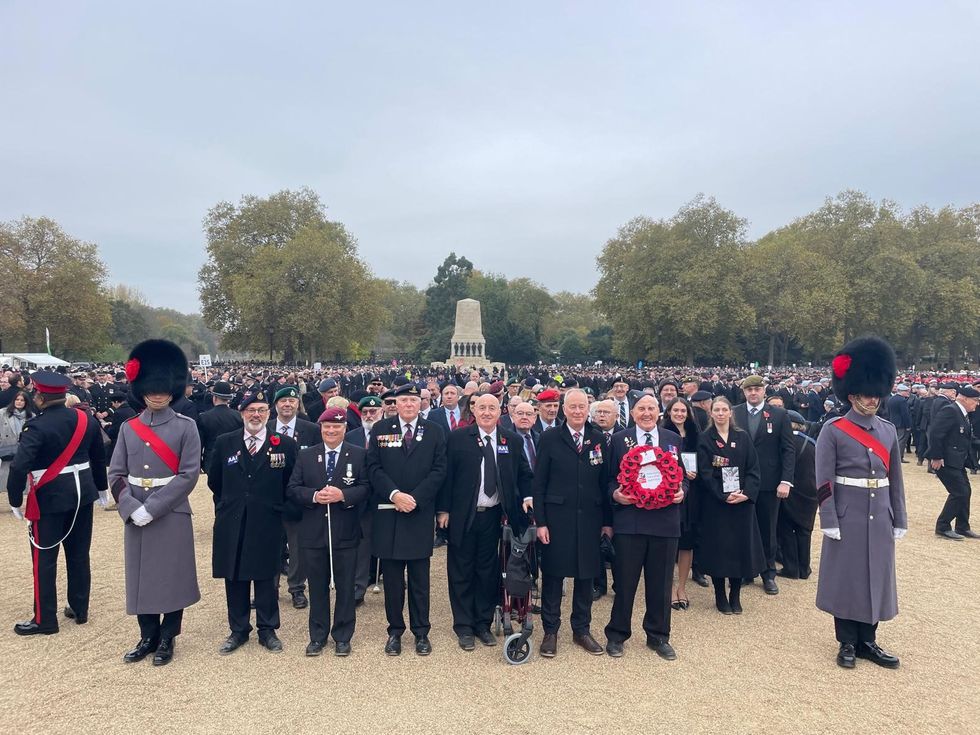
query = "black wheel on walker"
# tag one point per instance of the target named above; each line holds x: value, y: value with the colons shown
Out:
x: 516, y: 650
x: 498, y: 623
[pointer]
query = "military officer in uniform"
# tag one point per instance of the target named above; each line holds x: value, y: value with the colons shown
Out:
x: 248, y: 475
x: 862, y: 503
x: 61, y: 455
x: 331, y: 484
x: 154, y: 468
x: 406, y: 461
x: 218, y: 420
x: 949, y: 455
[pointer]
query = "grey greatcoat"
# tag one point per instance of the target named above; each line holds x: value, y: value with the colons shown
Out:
x: 857, y: 573
x: 161, y: 575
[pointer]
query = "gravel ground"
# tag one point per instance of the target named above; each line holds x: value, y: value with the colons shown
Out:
x: 771, y: 670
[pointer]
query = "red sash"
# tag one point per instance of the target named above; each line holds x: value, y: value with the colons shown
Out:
x: 862, y: 437
x: 158, y: 445
x: 33, y: 511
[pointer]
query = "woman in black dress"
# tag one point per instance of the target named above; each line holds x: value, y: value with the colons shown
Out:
x: 679, y: 418
x: 730, y: 542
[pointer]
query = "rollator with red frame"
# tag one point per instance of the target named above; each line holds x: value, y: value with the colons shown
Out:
x: 518, y: 571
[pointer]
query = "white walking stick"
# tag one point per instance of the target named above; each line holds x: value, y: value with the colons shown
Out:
x: 377, y: 578
x: 330, y: 545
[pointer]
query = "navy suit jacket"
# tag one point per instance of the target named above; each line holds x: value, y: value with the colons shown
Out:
x: 664, y: 522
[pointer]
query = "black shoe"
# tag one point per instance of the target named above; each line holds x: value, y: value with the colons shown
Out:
x: 614, y: 648
x: 467, y: 642
x: 141, y: 650
x: 299, y: 599
x: 786, y: 575
x: 79, y: 619
x: 439, y: 541
x: 734, y: 602
x: 699, y: 579
x: 164, y: 653
x: 535, y: 609
x: 950, y: 534
x: 314, y: 648
x: 724, y: 607
x: 597, y: 594
x: 422, y: 645
x: 341, y: 648
x: 394, y: 645
x: 549, y: 645
x: 486, y: 637
x: 662, y: 648
x: 271, y: 642
x: 845, y: 657
x: 968, y: 534
x: 232, y: 643
x: 358, y: 601
x: 29, y: 627
x: 769, y: 585
x: 873, y: 653
x: 918, y: 462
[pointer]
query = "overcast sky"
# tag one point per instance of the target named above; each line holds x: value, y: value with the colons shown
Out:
x: 518, y: 134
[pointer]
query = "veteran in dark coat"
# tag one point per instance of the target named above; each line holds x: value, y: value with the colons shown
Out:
x: 248, y: 476
x: 331, y: 485
x: 218, y: 420
x: 571, y: 506
x: 950, y: 455
x: 862, y: 504
x: 794, y: 528
x: 406, y: 461
x: 152, y: 479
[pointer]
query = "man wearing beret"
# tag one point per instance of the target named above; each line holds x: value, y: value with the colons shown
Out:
x: 248, y: 476
x: 548, y: 402
x: 949, y: 454
x: 406, y: 461
x: 619, y: 388
x: 331, y: 484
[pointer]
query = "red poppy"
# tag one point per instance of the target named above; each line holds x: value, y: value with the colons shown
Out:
x: 274, y: 440
x: 132, y: 369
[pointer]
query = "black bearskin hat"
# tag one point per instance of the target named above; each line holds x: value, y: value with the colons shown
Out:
x: 865, y: 366
x: 156, y: 366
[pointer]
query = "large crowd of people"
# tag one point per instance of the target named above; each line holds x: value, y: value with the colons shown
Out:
x: 346, y: 474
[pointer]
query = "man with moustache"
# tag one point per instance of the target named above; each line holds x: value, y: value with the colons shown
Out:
x: 406, y: 461
x: 331, y: 474
x: 548, y: 410
x: 487, y: 478
x: 571, y: 504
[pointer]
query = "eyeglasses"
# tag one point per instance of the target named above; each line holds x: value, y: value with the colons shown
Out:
x: 255, y: 411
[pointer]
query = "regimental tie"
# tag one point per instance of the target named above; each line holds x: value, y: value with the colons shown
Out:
x: 253, y: 444
x: 578, y: 441
x: 649, y: 439
x: 622, y: 413
x: 407, y: 439
x: 284, y: 430
x: 452, y: 420
x: 331, y: 463
x: 532, y: 456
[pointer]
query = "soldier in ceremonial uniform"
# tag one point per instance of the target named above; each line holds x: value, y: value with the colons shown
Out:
x: 154, y: 467
x: 249, y: 471
x: 330, y: 483
x: 406, y: 461
x: 61, y: 454
x: 862, y: 503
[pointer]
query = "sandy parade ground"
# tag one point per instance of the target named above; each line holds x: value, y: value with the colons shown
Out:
x: 770, y: 670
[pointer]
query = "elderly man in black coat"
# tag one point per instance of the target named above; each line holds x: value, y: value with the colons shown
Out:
x: 488, y: 477
x: 248, y: 476
x: 571, y: 504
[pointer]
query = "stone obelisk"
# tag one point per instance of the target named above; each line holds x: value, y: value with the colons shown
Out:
x: 468, y: 347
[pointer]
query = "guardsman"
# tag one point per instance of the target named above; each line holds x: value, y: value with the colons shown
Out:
x: 154, y: 467
x: 406, y: 461
x: 61, y: 456
x: 331, y: 485
x: 250, y: 468
x: 862, y: 503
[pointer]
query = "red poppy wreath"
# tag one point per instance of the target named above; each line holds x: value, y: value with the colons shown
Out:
x: 650, y: 475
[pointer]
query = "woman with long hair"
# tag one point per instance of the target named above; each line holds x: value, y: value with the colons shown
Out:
x: 729, y: 472
x: 12, y: 420
x: 678, y: 417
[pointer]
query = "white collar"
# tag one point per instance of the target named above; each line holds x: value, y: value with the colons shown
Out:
x: 260, y: 436
x: 492, y: 436
x: 573, y: 432
x: 327, y: 449
x: 749, y: 407
x: 403, y: 424
x: 288, y: 424
x: 641, y: 435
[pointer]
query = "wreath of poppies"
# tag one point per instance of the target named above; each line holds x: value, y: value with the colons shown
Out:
x: 651, y: 476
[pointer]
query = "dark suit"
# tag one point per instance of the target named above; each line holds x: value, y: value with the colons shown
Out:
x: 474, y: 532
x: 359, y: 438
x: 117, y: 417
x: 350, y: 475
x: 572, y: 501
x: 950, y: 436
x: 211, y: 424
x: 645, y: 541
x: 305, y: 433
x: 440, y: 417
x: 399, y: 539
x: 249, y: 495
x: 776, y: 453
x: 897, y: 409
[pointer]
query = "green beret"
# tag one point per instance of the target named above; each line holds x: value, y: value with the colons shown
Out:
x: 753, y: 381
x: 288, y: 392
x: 371, y: 401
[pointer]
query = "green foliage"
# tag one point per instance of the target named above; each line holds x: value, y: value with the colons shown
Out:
x: 450, y: 284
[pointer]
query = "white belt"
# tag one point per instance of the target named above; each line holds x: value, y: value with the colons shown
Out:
x: 70, y: 469
x: 149, y: 482
x: 872, y: 483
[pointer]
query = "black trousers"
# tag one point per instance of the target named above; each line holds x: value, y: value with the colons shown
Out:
x: 366, y: 564
x: 317, y: 565
x: 767, y: 512
x: 551, y: 604
x: 393, y: 571
x: 794, y: 544
x: 237, y: 594
x: 48, y: 529
x: 295, y: 572
x: 957, y: 507
x: 155, y: 627
x: 654, y: 556
x: 854, y: 632
x: 473, y: 569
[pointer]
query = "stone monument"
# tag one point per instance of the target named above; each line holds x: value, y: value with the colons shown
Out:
x: 468, y: 348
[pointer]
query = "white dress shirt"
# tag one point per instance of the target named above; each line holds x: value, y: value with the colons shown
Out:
x: 482, y: 501
x: 641, y: 436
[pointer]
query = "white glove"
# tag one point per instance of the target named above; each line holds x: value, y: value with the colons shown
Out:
x: 140, y: 517
x: 899, y: 533
x: 833, y: 533
x: 18, y: 514
x: 103, y: 498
